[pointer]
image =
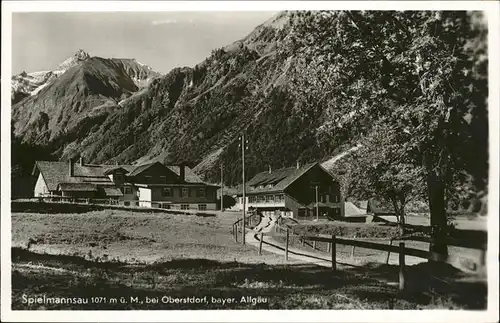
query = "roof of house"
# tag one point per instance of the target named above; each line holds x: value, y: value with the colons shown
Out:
x: 350, y: 209
x: 56, y: 172
x: 276, y: 180
x: 189, y: 175
x: 139, y: 169
x: 77, y: 187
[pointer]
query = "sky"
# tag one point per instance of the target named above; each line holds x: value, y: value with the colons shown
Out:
x: 161, y: 40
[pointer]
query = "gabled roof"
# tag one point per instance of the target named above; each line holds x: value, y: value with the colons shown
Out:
x: 276, y: 180
x: 139, y: 169
x: 55, y: 173
x: 189, y: 175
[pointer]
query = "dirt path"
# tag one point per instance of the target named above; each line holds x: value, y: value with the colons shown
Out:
x: 296, y: 255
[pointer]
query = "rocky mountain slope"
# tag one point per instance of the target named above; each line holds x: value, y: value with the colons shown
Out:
x: 28, y: 84
x: 194, y: 114
x: 54, y: 102
x: 191, y: 114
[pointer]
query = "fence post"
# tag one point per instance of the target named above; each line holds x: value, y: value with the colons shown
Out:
x: 352, y: 251
x: 236, y: 232
x: 482, y: 256
x: 286, y: 245
x: 388, y: 253
x: 314, y: 245
x: 260, y: 243
x: 334, y: 254
x: 303, y: 241
x: 328, y: 247
x: 401, y: 266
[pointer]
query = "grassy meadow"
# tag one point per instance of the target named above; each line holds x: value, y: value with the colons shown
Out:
x: 160, y: 260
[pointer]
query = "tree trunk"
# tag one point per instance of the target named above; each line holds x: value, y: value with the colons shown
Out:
x: 399, y: 211
x: 436, y: 191
x: 402, y: 222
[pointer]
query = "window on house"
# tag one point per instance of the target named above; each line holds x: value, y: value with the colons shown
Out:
x: 269, y: 199
x: 118, y: 177
x: 185, y: 192
x: 322, y: 198
x: 166, y: 192
x: 184, y: 206
x: 201, y: 192
x: 127, y: 190
x: 202, y: 207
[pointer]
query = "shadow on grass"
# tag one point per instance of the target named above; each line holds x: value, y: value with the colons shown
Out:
x: 428, y: 281
x: 52, y: 208
x: 284, y: 286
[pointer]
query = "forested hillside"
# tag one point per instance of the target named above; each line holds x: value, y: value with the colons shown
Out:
x: 302, y: 86
x: 191, y: 114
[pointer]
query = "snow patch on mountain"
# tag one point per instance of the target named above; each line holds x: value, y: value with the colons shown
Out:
x: 78, y: 57
x: 29, y: 84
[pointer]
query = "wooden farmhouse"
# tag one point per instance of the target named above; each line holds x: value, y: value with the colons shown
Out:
x: 147, y: 185
x: 292, y: 192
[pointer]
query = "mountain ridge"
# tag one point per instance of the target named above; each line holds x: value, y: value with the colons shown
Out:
x: 29, y: 84
x: 191, y: 114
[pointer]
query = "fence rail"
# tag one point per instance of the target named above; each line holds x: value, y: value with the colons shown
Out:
x: 250, y: 222
x: 332, y: 241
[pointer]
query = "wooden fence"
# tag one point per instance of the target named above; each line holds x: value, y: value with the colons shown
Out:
x: 332, y: 241
x: 252, y: 220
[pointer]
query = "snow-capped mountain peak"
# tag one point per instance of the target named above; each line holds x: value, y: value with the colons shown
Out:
x: 78, y: 57
x: 30, y: 84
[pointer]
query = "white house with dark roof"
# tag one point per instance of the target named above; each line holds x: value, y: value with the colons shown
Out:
x: 291, y: 192
x: 149, y: 185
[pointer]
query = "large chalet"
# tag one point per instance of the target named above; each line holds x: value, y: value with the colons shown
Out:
x: 148, y: 185
x: 291, y: 192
